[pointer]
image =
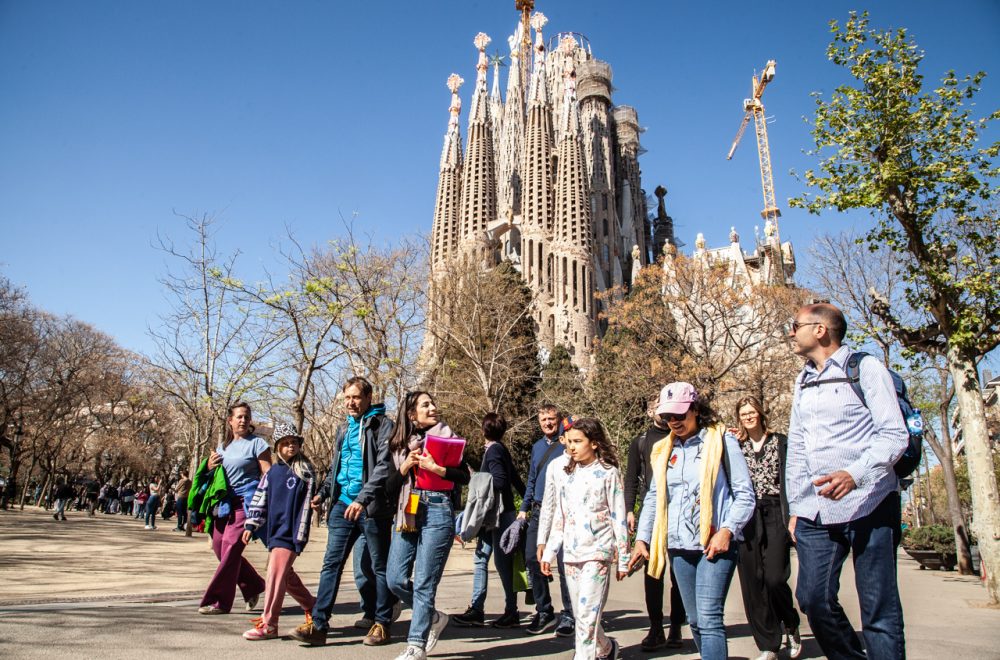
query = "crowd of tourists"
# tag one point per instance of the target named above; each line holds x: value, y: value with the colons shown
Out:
x: 698, y: 500
x: 141, y: 501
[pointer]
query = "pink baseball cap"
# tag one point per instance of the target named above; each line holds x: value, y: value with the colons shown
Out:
x: 676, y: 398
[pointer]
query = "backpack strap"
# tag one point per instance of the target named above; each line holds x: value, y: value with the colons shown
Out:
x: 853, y: 371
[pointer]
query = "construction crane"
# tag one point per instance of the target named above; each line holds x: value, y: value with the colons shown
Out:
x: 755, y: 108
x: 525, y: 7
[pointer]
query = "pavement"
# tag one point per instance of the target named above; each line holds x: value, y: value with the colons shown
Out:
x: 104, y: 587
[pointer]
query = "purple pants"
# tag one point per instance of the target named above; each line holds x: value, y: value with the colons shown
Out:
x: 233, y: 569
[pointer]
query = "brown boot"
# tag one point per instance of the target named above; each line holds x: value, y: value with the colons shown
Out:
x: 309, y: 635
x: 377, y: 636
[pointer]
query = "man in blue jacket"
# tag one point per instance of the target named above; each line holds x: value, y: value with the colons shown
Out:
x: 356, y: 484
x: 545, y: 450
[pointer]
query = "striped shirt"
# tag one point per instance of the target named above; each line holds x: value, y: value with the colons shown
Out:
x: 831, y: 430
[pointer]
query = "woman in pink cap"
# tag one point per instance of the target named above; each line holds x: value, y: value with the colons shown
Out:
x: 694, y: 511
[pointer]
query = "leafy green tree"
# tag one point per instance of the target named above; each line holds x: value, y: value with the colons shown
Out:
x: 913, y: 157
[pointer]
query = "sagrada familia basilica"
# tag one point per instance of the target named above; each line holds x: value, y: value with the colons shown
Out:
x: 550, y: 180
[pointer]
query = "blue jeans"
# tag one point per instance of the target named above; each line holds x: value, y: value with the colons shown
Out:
x: 539, y: 582
x: 703, y: 584
x: 182, y: 510
x: 822, y: 550
x: 152, y: 505
x: 364, y: 578
x: 489, y: 544
x: 341, y: 535
x: 424, y: 554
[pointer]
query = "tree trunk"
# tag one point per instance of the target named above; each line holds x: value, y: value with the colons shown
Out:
x: 942, y: 449
x: 982, y: 479
x: 27, y: 482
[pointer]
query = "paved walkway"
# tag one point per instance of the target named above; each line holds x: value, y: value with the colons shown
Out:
x: 104, y: 587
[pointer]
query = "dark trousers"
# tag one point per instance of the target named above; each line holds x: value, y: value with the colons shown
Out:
x: 764, y: 568
x: 654, y: 601
x: 341, y: 537
x: 539, y: 582
x: 822, y: 550
x: 182, y: 511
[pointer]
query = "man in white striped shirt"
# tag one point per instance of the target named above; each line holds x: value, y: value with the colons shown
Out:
x: 842, y: 490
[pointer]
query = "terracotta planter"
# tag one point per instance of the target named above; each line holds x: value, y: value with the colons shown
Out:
x: 933, y: 559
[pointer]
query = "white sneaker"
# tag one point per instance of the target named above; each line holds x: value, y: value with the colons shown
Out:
x: 148, y: 527
x: 794, y: 642
x: 397, y: 609
x: 768, y: 655
x: 364, y: 623
x: 412, y: 653
x: 438, y: 624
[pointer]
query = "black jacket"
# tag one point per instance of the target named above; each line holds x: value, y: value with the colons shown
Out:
x: 639, y: 472
x: 376, y: 431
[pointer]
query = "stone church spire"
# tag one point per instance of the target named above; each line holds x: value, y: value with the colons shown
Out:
x: 511, y: 136
x: 445, y: 232
x: 479, y: 204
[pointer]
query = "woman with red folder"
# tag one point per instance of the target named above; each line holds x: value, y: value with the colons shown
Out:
x: 425, y: 516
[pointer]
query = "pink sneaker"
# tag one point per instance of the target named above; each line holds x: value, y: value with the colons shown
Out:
x: 261, y: 631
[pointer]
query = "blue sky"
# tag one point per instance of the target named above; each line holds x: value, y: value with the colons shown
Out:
x: 117, y: 114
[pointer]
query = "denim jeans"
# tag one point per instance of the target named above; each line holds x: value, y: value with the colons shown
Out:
x: 539, y: 582
x: 181, y: 512
x: 704, y: 583
x: 152, y: 506
x: 423, y: 554
x: 364, y: 578
x: 489, y: 544
x: 341, y: 535
x: 822, y: 550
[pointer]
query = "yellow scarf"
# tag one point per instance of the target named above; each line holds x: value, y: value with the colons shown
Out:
x: 711, y: 458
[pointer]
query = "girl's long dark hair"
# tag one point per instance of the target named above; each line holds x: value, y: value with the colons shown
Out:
x: 404, y: 425
x: 753, y: 402
x: 592, y: 428
x: 229, y: 415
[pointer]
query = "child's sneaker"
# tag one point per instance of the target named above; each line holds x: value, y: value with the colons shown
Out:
x: 260, y: 632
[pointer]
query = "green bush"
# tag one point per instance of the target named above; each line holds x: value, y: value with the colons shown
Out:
x: 940, y: 538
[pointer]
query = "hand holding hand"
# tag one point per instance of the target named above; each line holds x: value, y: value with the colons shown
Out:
x: 837, y: 483
x: 719, y: 543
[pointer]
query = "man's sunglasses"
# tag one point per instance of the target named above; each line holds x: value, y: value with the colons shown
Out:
x: 795, y: 325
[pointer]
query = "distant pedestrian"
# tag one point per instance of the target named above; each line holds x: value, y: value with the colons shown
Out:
x: 127, y: 496
x: 280, y: 513
x: 842, y: 489
x: 244, y: 459
x: 764, y: 563
x: 92, y: 491
x: 63, y: 494
x: 590, y: 527
x: 152, y: 505
x: 139, y: 507
x: 181, y: 490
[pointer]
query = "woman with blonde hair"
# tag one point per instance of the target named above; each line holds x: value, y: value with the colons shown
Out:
x: 764, y: 563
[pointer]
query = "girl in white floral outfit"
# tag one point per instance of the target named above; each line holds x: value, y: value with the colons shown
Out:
x: 589, y: 525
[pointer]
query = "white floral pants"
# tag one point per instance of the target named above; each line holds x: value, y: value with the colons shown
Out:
x: 588, y: 588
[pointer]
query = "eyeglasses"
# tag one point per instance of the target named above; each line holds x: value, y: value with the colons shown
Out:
x: 665, y: 417
x: 795, y: 325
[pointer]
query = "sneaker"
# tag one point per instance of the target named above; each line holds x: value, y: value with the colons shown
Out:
x: 471, y: 617
x: 210, y: 609
x: 309, y: 635
x: 377, y: 636
x: 438, y: 624
x: 654, y: 640
x: 674, y: 639
x: 364, y: 623
x: 767, y: 655
x: 508, y: 620
x: 148, y: 527
x: 252, y: 602
x: 412, y: 653
x: 55, y: 516
x: 613, y: 653
x: 260, y: 632
x: 566, y: 627
x: 541, y: 622
x: 794, y: 642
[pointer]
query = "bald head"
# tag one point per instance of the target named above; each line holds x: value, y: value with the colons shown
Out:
x: 831, y: 317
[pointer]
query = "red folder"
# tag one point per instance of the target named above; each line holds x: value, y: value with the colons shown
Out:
x: 447, y: 452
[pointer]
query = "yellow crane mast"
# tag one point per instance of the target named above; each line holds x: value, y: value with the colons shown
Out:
x: 754, y: 107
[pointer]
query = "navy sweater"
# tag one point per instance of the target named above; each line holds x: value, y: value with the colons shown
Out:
x: 279, y: 512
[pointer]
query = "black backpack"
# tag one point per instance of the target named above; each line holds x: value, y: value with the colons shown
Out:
x: 910, y: 459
